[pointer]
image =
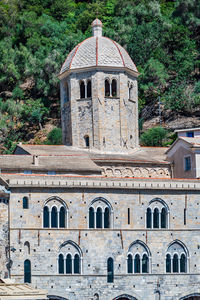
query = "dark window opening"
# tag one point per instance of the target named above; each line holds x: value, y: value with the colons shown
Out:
x: 148, y: 217
x: 114, y: 88
x: 62, y: 217
x: 107, y: 88
x: 145, y: 264
x: 168, y: 263
x: 106, y: 218
x: 130, y: 264
x: 54, y: 217
x: 187, y: 163
x: 185, y: 216
x: 66, y: 92
x: 156, y: 218
x: 76, y: 264
x: 82, y: 90
x: 69, y: 264
x: 60, y: 264
x: 27, y: 244
x: 99, y: 218
x: 190, y: 134
x: 91, y: 217
x: 175, y: 263
x: 87, y: 141
x: 46, y: 217
x: 137, y: 264
x: 27, y: 271
x: 163, y: 218
x: 89, y: 89
x: 128, y: 216
x: 110, y: 270
x: 183, y: 263
x: 25, y: 203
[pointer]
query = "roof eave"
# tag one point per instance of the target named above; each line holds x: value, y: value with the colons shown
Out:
x: 97, y: 68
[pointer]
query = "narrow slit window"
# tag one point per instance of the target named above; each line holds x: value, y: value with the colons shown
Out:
x: 27, y: 271
x: 107, y: 88
x: 110, y: 270
x: 89, y: 89
x: 91, y: 217
x: 82, y: 90
x: 114, y: 88
x: 61, y: 264
x: 25, y: 203
x: 128, y: 216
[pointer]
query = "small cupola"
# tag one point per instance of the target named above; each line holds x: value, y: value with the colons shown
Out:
x: 97, y: 28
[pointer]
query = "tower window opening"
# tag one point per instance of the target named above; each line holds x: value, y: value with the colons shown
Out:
x: 25, y: 203
x: 27, y: 271
x: 89, y: 89
x: 82, y: 90
x: 110, y: 270
x: 114, y: 88
x: 107, y: 88
x: 87, y: 141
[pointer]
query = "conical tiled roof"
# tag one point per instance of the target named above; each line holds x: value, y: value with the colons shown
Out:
x: 98, y: 51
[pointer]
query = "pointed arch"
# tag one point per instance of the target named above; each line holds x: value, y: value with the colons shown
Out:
x: 125, y: 296
x: 142, y: 244
x: 61, y: 201
x: 181, y: 244
x: 27, y: 246
x: 69, y: 242
x: 190, y: 296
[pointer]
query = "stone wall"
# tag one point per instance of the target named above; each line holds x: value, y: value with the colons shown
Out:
x: 96, y: 245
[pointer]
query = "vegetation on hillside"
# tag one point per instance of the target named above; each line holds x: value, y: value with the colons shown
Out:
x: 161, y: 36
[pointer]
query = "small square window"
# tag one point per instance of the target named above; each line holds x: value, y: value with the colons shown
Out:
x: 187, y: 163
x: 51, y: 173
x: 27, y: 172
x: 190, y: 134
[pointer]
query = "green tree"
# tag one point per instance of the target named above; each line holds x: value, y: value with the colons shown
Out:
x: 153, y: 137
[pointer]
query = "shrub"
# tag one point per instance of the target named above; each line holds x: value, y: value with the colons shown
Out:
x: 153, y: 137
x: 55, y: 137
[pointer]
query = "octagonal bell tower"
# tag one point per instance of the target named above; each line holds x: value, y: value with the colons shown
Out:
x: 99, y: 95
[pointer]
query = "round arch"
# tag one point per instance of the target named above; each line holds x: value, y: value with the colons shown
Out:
x: 195, y: 296
x: 125, y: 297
x: 53, y: 297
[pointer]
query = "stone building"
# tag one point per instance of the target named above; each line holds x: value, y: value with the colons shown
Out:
x: 100, y: 217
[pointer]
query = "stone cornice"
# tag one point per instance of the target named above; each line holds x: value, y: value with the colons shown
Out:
x: 107, y: 183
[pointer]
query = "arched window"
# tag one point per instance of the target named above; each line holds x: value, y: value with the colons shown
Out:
x: 91, y: 217
x: 25, y: 203
x: 141, y: 254
x: 179, y: 254
x: 76, y: 264
x: 156, y: 218
x: 100, y: 214
x: 137, y: 264
x: 61, y: 264
x: 54, y: 217
x: 99, y: 218
x: 163, y: 218
x: 82, y: 90
x: 183, y: 263
x: 46, y: 217
x: 130, y: 264
x: 110, y: 270
x: 87, y: 141
x: 114, y: 87
x: 145, y: 264
x: 159, y: 217
x: 27, y: 271
x: 148, y: 217
x: 175, y: 263
x: 69, y: 264
x: 168, y: 263
x: 62, y: 217
x: 89, y: 89
x: 107, y: 88
x: 27, y: 247
x: 106, y: 218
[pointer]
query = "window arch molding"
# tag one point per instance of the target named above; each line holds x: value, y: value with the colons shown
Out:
x: 57, y: 202
x: 180, y: 250
x: 190, y: 295
x: 74, y: 252
x: 144, y: 250
x: 159, y: 204
x: 102, y: 203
